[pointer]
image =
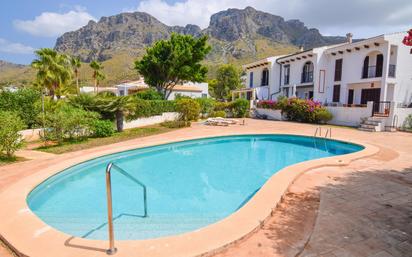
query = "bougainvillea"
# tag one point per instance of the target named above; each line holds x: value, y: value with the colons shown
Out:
x: 268, y: 104
x: 295, y: 109
x: 407, y: 40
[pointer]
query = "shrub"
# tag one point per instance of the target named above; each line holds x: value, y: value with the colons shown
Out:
x: 149, y: 94
x: 206, y: 105
x: 175, y: 124
x: 68, y: 122
x: 221, y: 114
x: 240, y: 108
x: 22, y: 103
x: 10, y: 138
x: 222, y: 106
x: 407, y: 124
x: 189, y: 109
x: 322, y: 115
x: 301, y: 110
x: 102, y: 128
x: 146, y: 108
x: 268, y: 104
x: 90, y: 102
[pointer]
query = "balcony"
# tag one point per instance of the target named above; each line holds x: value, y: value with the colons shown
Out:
x: 372, y: 72
x: 392, y: 71
x: 307, y: 77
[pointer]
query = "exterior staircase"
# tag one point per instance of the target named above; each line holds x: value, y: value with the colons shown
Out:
x: 373, y: 124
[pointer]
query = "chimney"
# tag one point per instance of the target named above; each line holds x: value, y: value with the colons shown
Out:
x: 349, y: 37
x: 301, y: 49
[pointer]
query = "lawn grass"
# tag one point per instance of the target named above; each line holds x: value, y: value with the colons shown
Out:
x: 4, y: 160
x: 128, y: 134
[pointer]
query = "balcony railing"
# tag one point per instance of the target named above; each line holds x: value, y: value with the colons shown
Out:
x: 372, y: 72
x: 392, y: 70
x: 307, y: 77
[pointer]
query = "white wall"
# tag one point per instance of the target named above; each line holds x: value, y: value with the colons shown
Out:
x: 403, y: 80
x: 271, y: 114
x: 402, y: 113
x: 30, y: 135
x: 349, y: 116
x: 184, y: 93
x: 141, y: 122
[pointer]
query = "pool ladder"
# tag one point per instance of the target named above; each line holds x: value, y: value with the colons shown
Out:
x: 112, y: 249
x: 319, y: 131
x: 318, y: 134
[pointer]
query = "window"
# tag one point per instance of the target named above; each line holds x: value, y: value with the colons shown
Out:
x: 336, y: 93
x: 350, y: 96
x: 265, y: 77
x: 338, y: 70
x: 204, y: 95
x: 307, y: 74
x: 286, y: 75
x: 121, y: 92
x: 251, y: 79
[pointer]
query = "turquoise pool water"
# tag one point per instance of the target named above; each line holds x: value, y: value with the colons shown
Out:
x: 190, y: 184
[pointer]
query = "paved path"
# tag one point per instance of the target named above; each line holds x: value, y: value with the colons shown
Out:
x: 364, y: 210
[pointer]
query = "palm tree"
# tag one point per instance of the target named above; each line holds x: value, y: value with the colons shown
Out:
x: 53, y: 70
x: 76, y: 64
x: 98, y: 74
x: 121, y: 106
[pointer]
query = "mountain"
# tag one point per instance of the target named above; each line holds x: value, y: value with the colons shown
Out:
x: 11, y: 73
x: 236, y: 35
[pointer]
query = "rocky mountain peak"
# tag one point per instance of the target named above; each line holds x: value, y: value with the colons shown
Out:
x: 133, y: 32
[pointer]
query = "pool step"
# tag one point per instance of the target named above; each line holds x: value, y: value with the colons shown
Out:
x: 127, y: 227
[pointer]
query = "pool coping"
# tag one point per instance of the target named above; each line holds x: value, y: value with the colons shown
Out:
x: 35, y: 238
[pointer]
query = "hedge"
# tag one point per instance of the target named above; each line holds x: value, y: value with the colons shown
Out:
x: 148, y: 108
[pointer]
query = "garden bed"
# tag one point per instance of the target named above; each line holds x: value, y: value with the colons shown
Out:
x: 71, y: 146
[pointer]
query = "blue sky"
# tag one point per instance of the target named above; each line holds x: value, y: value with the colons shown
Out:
x: 26, y: 25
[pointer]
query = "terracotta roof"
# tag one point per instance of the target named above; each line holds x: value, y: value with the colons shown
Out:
x: 186, y: 88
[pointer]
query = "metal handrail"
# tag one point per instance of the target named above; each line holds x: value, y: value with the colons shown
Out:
x: 318, y: 129
x: 112, y: 249
x: 395, y: 121
x: 328, y: 132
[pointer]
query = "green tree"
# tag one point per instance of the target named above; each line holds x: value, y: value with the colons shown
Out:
x: 53, y: 70
x: 10, y: 139
x: 121, y: 106
x: 174, y: 61
x: 76, y: 64
x: 22, y: 103
x: 227, y: 79
x: 98, y: 74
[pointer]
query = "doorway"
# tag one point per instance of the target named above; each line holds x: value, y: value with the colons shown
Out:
x: 350, y: 96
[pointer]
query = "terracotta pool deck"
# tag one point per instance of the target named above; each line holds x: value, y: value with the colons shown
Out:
x: 349, y: 196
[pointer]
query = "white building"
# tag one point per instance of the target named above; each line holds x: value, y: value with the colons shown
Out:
x: 194, y: 90
x: 351, y: 74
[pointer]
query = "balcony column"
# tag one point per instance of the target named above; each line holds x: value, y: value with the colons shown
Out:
x: 385, y: 72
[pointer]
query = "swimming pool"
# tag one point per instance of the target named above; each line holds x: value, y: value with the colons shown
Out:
x: 190, y: 184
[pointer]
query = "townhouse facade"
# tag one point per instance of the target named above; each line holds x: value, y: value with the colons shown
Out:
x: 376, y: 70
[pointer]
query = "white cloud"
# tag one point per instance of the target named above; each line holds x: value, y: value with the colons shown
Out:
x: 189, y: 11
x: 51, y: 24
x: 327, y: 15
x: 14, y: 48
